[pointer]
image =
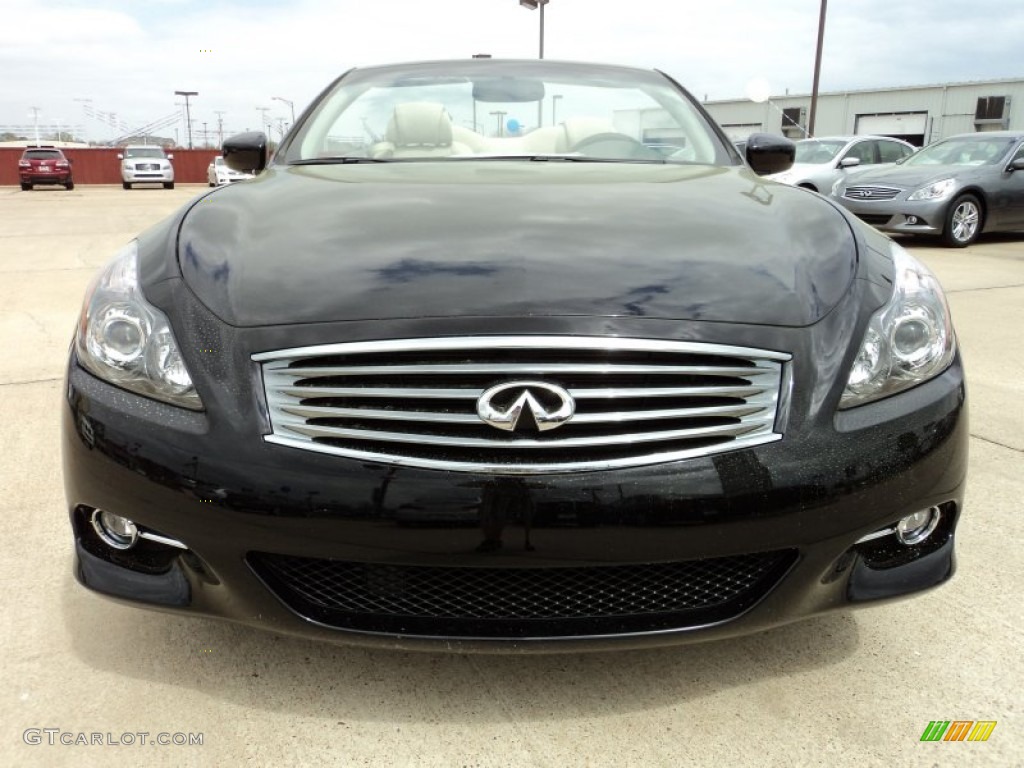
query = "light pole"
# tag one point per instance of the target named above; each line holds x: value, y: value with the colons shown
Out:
x: 188, y: 112
x: 291, y: 105
x: 35, y: 118
x: 554, y: 108
x: 817, y: 69
x: 501, y: 124
x: 533, y: 5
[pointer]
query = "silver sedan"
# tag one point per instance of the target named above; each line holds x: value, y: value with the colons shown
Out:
x: 956, y: 188
x: 821, y: 162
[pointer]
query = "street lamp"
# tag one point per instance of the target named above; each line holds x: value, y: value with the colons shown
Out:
x: 291, y: 105
x: 188, y: 112
x: 533, y: 5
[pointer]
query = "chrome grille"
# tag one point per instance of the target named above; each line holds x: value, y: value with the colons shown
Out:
x: 414, y: 402
x: 870, y: 193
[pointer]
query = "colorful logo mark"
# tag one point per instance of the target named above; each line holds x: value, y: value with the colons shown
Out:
x: 958, y: 730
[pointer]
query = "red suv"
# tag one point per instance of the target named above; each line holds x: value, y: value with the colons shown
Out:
x: 44, y: 165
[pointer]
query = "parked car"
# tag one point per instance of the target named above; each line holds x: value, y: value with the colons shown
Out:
x: 146, y: 165
x: 218, y: 173
x: 820, y: 163
x: 463, y: 390
x: 956, y: 188
x: 43, y: 164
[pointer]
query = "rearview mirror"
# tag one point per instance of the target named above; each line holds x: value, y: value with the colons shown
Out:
x: 1017, y: 165
x: 507, y: 90
x: 246, y: 152
x: 849, y: 162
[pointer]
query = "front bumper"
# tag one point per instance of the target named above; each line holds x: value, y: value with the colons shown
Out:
x: 900, y: 216
x: 236, y: 503
x: 131, y: 175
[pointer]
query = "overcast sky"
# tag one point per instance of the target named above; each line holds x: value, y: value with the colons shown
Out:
x: 129, y: 56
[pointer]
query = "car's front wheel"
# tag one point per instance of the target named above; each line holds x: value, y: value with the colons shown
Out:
x: 25, y: 187
x: 126, y: 185
x: 963, y: 222
x: 168, y: 185
x: 70, y: 184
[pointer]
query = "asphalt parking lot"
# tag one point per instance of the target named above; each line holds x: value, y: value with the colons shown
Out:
x: 848, y: 689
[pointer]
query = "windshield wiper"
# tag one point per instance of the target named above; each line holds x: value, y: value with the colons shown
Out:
x: 557, y: 159
x: 338, y: 160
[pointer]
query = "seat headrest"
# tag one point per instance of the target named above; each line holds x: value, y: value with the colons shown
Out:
x: 420, y: 124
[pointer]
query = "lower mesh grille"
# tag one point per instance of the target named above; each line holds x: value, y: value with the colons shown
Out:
x: 875, y: 219
x: 521, y: 602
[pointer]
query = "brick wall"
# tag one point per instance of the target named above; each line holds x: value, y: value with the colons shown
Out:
x: 101, y: 166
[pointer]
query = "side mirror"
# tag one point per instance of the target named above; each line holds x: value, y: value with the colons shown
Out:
x: 1017, y: 165
x: 849, y: 162
x: 246, y: 152
x: 769, y: 154
x: 120, y: 156
x: 170, y: 157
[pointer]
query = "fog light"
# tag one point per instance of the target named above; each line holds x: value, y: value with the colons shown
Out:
x: 915, y: 528
x: 911, y: 219
x: 119, y: 532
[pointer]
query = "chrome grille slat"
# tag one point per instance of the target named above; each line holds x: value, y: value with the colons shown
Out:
x: 327, y: 412
x: 480, y: 442
x: 527, y: 369
x: 471, y: 393
x: 413, y: 402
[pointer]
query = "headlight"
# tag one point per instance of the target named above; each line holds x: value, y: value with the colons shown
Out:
x: 908, y: 341
x: 936, y: 191
x: 125, y: 340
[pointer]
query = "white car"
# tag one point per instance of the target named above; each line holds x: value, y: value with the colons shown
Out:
x: 218, y: 174
x: 821, y: 162
x: 146, y: 165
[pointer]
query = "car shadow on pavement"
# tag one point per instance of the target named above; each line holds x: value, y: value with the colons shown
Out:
x: 266, y: 671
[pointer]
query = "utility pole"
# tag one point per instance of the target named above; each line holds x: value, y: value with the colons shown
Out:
x: 220, y: 126
x: 188, y: 112
x: 206, y: 137
x: 265, y: 124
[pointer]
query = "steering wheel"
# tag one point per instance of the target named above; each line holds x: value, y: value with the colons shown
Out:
x: 615, y: 145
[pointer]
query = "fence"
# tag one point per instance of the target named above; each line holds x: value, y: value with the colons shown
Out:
x: 101, y: 166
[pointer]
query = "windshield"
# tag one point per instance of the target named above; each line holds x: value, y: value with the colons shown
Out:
x: 507, y: 110
x: 963, y: 151
x: 144, y: 152
x: 815, y: 152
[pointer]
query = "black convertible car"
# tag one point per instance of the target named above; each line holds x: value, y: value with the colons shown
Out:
x: 475, y: 363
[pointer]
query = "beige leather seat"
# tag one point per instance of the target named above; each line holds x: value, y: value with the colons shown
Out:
x: 419, y: 129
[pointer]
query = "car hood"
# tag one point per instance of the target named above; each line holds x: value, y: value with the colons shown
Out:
x: 406, y: 240
x: 908, y: 177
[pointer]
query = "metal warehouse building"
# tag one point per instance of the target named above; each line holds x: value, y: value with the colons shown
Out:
x: 919, y: 115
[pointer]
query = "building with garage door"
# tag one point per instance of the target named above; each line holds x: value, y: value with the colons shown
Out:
x: 919, y: 115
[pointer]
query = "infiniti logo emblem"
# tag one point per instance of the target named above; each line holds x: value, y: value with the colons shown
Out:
x: 502, y: 406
